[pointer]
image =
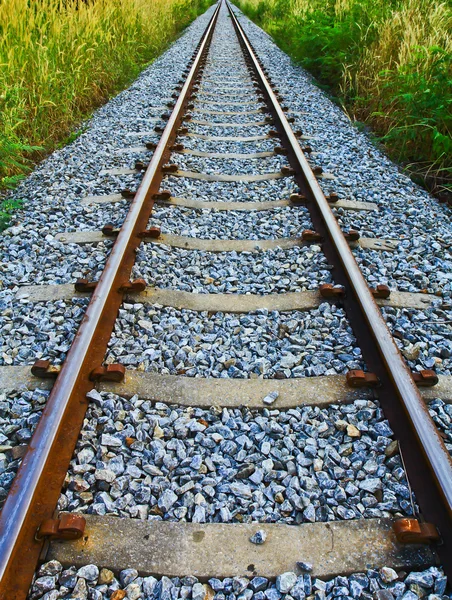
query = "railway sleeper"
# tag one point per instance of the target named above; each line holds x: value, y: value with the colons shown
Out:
x: 225, y: 550
x: 295, y: 199
x: 235, y: 303
x: 230, y: 393
x: 220, y: 245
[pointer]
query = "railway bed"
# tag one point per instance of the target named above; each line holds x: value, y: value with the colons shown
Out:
x: 220, y: 387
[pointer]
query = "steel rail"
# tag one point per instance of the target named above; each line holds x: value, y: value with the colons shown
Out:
x: 428, y: 463
x: 36, y: 488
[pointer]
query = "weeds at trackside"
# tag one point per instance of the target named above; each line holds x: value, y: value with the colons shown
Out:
x: 388, y: 62
x: 61, y: 60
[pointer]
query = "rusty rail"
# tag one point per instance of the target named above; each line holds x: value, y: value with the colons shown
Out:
x: 33, y: 497
x: 428, y: 463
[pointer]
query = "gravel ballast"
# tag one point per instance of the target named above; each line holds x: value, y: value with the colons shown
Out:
x: 273, y: 271
x: 255, y: 191
x: 53, y: 582
x: 268, y: 343
x: 221, y: 465
x: 280, y: 222
x: 256, y: 166
x: 46, y: 332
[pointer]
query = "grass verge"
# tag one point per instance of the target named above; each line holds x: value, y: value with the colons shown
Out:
x: 60, y: 59
x: 389, y: 62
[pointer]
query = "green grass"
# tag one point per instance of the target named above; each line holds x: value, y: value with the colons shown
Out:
x: 72, y: 136
x: 60, y: 59
x: 389, y: 62
x: 7, y: 210
x: 13, y: 159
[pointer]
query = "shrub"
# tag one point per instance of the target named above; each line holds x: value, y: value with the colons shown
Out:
x: 389, y: 61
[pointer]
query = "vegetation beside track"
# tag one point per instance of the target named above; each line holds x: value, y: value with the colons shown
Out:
x: 60, y: 59
x: 389, y: 62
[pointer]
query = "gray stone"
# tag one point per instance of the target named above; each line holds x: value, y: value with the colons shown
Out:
x: 246, y: 471
x: 167, y: 500
x: 127, y: 576
x: 198, y: 591
x: 216, y: 584
x: 163, y: 589
x: 106, y: 475
x: 285, y: 582
x: 110, y: 440
x: 44, y: 584
x: 270, y: 398
x: 305, y: 566
x: 298, y: 591
x: 149, y: 584
x: 53, y: 567
x: 356, y: 588
x: 258, y: 584
x: 424, y: 578
x: 370, y: 484
x: 240, y: 489
x: 133, y: 591
x: 89, y: 572
x: 384, y: 595
x: 259, y: 537
x: 272, y: 594
x: 388, y: 575
x: 95, y: 396
x: 239, y: 584
x: 409, y: 595
x: 80, y: 592
x: 440, y: 585
x: 309, y: 513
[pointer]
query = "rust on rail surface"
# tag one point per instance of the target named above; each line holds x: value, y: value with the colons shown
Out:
x: 31, y: 502
x: 428, y: 463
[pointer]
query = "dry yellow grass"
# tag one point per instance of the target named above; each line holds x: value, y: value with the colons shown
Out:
x: 61, y: 58
x: 416, y: 24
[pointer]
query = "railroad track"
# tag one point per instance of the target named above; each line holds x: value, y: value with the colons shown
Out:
x: 226, y: 112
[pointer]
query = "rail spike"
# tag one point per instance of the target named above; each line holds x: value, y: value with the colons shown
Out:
x: 45, y: 370
x: 413, y: 531
x: 114, y: 372
x: 137, y: 285
x: 67, y: 526
x: 84, y: 286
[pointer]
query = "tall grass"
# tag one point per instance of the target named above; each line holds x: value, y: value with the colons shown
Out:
x: 388, y: 61
x: 61, y: 58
